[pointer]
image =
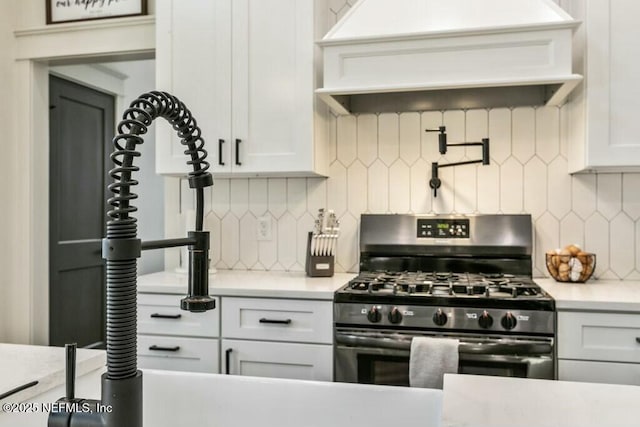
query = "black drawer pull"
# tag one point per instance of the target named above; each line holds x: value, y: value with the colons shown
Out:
x: 638, y: 340
x: 166, y: 316
x: 276, y: 321
x: 159, y: 348
x: 238, y: 162
x: 227, y: 356
x: 220, y: 142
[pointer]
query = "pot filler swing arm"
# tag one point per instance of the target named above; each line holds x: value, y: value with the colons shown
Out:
x: 121, y: 401
x: 435, y: 182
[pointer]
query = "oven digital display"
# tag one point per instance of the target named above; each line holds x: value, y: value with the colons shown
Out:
x: 443, y: 228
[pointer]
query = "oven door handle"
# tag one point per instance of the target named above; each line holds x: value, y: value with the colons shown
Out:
x: 465, y: 347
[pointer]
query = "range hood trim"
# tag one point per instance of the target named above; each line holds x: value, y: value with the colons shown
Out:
x: 556, y: 91
x: 327, y: 41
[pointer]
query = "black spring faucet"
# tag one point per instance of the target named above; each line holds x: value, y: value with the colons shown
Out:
x: 121, y: 397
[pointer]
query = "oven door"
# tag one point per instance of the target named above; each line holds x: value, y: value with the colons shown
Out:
x: 382, y: 357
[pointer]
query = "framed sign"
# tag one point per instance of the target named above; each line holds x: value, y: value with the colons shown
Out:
x: 59, y: 11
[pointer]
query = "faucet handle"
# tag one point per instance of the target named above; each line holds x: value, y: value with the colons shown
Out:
x: 70, y: 369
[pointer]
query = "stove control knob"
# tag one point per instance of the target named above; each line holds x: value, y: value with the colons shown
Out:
x: 439, y: 318
x: 374, y: 315
x: 509, y: 321
x: 395, y: 316
x: 485, y: 320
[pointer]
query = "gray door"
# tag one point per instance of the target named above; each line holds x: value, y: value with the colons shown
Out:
x: 81, y: 128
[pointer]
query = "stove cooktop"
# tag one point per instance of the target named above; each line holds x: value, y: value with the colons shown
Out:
x: 446, y: 289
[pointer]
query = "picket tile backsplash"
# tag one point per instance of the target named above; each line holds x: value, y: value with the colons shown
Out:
x: 382, y: 164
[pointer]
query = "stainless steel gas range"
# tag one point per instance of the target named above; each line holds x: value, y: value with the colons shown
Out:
x: 466, y: 277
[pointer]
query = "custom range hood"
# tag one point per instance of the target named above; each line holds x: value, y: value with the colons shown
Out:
x: 419, y: 55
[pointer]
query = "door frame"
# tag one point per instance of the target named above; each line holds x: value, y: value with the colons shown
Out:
x: 27, y: 292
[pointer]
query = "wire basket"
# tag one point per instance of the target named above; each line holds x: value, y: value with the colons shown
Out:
x: 565, y: 267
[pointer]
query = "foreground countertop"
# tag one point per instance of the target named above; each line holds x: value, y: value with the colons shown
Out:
x: 231, y: 400
x: 250, y: 284
x: 23, y: 364
x: 485, y: 401
x: 605, y: 295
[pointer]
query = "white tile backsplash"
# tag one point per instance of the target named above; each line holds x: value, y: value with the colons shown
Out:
x: 399, y: 191
x: 523, y: 134
x: 389, y: 138
x: 558, y: 187
x: 382, y: 164
x: 535, y: 187
x: 378, y: 188
x: 622, y: 259
x: 500, y: 134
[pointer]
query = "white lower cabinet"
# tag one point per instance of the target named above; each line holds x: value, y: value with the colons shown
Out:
x: 264, y: 337
x: 602, y: 347
x: 174, y: 339
x: 283, y: 338
x: 278, y: 360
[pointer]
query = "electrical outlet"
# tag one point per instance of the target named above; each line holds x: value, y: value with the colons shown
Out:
x: 264, y: 228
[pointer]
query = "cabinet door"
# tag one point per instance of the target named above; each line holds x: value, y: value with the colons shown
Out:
x: 277, y: 360
x: 604, y: 111
x: 273, y: 45
x: 599, y: 336
x: 599, y: 372
x: 193, y: 62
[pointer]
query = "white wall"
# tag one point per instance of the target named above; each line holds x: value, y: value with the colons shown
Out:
x: 26, y: 46
x: 8, y: 149
x: 127, y: 80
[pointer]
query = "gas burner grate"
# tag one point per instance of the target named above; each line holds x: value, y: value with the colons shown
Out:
x: 450, y: 284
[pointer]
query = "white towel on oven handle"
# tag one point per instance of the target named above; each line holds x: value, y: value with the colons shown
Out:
x: 430, y: 359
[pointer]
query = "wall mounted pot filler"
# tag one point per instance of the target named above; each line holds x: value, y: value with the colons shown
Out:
x: 435, y: 182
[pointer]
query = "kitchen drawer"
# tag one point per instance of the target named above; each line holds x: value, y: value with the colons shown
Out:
x: 599, y: 336
x: 599, y: 372
x: 277, y: 319
x: 178, y: 353
x: 161, y: 314
x: 278, y: 360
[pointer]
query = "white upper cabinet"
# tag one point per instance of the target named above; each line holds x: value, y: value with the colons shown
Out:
x: 604, y: 133
x: 247, y: 69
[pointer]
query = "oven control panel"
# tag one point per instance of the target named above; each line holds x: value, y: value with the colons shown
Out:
x: 434, y: 317
x: 443, y: 228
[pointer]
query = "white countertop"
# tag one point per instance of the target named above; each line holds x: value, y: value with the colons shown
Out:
x: 250, y: 284
x: 232, y: 400
x: 484, y: 401
x: 22, y: 364
x: 605, y: 295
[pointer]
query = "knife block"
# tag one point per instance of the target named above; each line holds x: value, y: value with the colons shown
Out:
x: 318, y: 265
